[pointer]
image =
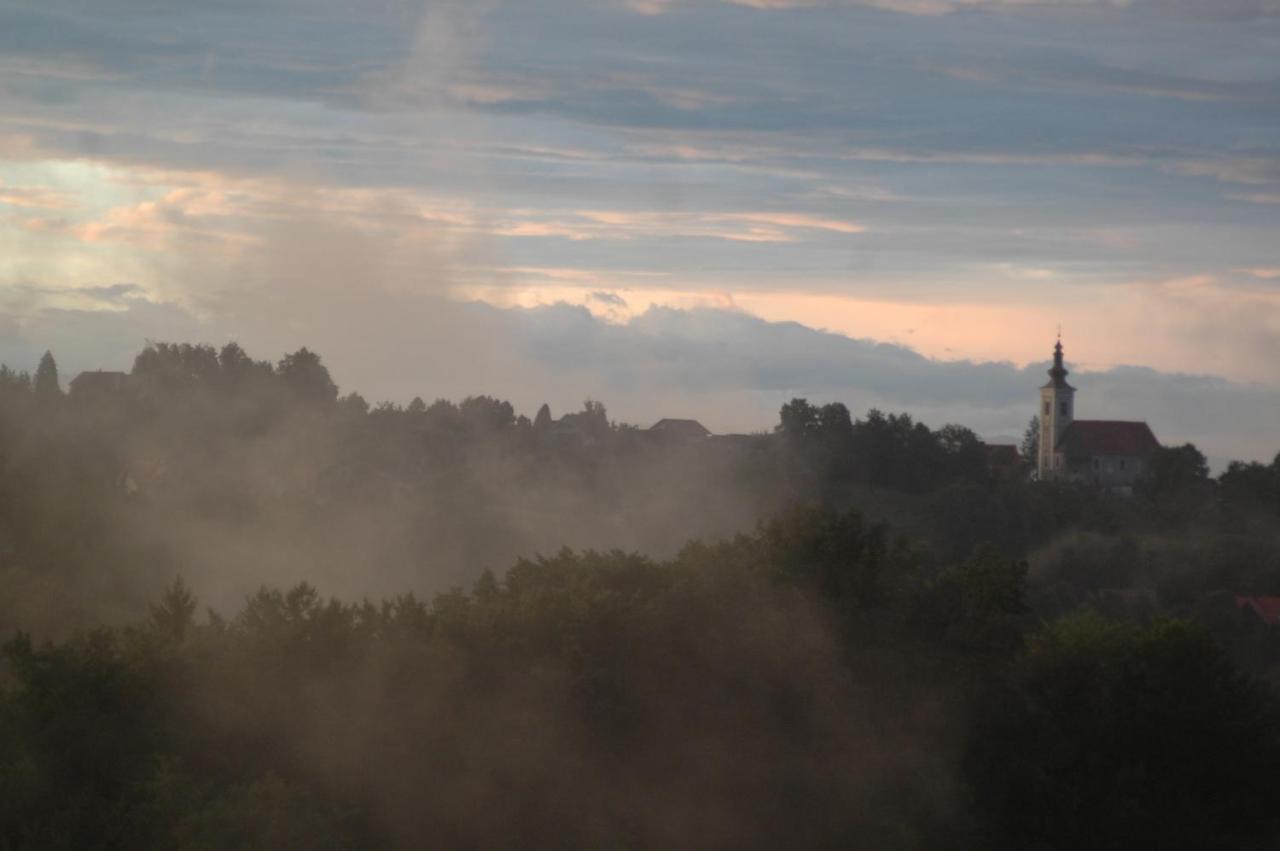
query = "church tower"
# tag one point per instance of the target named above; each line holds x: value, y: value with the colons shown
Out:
x: 1057, y: 407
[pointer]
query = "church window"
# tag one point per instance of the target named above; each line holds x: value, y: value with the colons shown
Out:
x: 1065, y: 409
x: 1047, y: 411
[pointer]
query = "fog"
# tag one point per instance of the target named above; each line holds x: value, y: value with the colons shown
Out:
x: 350, y: 490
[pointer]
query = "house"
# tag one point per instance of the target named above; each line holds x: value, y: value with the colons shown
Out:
x: 1266, y: 608
x: 678, y: 430
x: 96, y: 383
x: 1111, y: 454
x: 1004, y: 459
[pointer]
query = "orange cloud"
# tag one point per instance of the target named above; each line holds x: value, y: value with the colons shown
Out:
x: 39, y: 197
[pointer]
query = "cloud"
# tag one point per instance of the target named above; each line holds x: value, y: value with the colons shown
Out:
x: 1256, y: 197
x: 1223, y: 9
x: 36, y: 197
x: 610, y: 299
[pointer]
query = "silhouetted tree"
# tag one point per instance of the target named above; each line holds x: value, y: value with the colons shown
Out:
x: 46, y: 385
x: 14, y: 383
x: 542, y: 421
x: 353, y: 404
x: 798, y: 421
x: 237, y: 367
x: 1030, y: 446
x: 835, y: 424
x: 484, y: 414
x: 964, y: 455
x: 305, y: 375
x: 1253, y: 486
x: 175, y: 611
x: 1175, y: 472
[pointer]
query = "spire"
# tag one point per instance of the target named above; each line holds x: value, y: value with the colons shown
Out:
x: 1059, y: 372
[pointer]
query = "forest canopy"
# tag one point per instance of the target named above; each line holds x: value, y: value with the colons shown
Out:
x: 241, y: 608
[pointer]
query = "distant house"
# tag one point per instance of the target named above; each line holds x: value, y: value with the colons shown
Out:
x: 585, y: 428
x: 1111, y: 454
x: 99, y: 383
x: 679, y: 430
x: 1004, y: 459
x: 1266, y: 608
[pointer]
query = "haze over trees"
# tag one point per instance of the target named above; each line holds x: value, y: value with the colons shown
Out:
x: 244, y: 609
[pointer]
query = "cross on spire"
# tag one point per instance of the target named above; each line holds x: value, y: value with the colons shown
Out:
x: 1059, y: 371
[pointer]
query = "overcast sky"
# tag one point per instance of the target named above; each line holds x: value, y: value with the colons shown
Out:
x: 666, y: 203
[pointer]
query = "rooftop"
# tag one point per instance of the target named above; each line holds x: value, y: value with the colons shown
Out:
x: 1084, y: 438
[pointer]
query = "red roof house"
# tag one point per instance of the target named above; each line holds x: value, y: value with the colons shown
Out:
x: 1266, y: 608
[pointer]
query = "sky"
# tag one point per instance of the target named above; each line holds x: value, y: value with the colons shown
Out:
x: 681, y: 207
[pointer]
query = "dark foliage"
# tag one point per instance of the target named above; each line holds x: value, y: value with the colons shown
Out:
x: 922, y: 655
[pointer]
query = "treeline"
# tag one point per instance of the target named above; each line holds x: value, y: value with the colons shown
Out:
x: 232, y: 470
x: 814, y: 684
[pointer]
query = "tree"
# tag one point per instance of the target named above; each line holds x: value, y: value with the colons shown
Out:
x: 834, y: 423
x: 1030, y: 447
x: 1251, y: 485
x: 592, y: 421
x: 173, y: 614
x: 236, y: 367
x: 485, y: 414
x: 897, y: 452
x: 13, y: 383
x: 798, y: 420
x: 46, y: 382
x: 964, y: 455
x: 1175, y: 471
x: 353, y: 404
x: 840, y: 555
x: 1113, y: 736
x: 307, y: 377
x: 979, y: 606
x: 542, y: 421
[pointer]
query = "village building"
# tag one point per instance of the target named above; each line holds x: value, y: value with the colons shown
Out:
x: 1111, y: 454
x: 1267, y: 609
x: 1004, y: 459
x: 98, y: 383
x: 676, y: 430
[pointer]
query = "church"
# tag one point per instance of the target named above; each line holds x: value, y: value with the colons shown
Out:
x: 1111, y: 454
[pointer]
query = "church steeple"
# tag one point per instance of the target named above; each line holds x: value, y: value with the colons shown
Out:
x: 1059, y: 372
x: 1057, y: 404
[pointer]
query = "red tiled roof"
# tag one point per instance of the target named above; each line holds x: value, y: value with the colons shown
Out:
x: 1266, y: 608
x: 1084, y: 438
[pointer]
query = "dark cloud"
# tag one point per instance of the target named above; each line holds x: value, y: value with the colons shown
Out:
x: 611, y: 299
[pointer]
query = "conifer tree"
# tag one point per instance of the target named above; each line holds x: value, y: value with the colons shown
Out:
x: 46, y: 381
x: 1030, y: 447
x: 543, y: 419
